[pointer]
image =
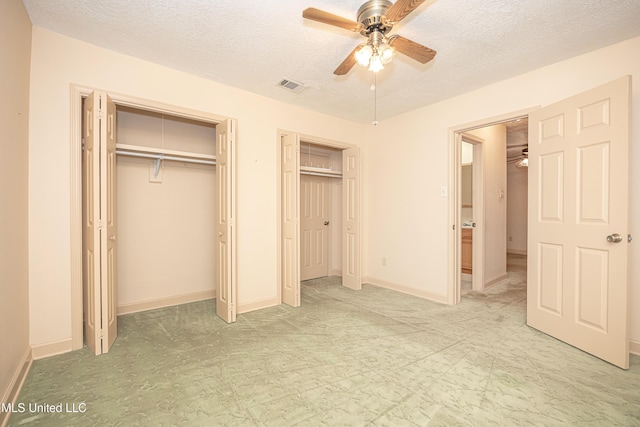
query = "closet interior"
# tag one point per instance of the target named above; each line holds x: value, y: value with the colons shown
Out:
x: 320, y: 211
x: 165, y: 192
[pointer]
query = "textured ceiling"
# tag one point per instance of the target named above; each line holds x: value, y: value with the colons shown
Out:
x: 252, y: 45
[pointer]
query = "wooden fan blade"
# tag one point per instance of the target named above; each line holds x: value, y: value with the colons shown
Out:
x: 402, y: 8
x: 331, y: 19
x: 412, y: 49
x: 347, y: 64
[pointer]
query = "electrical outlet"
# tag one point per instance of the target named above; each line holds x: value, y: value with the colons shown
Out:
x: 443, y: 191
x: 384, y: 261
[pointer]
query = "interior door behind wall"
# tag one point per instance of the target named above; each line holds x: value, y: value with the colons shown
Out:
x: 315, y: 214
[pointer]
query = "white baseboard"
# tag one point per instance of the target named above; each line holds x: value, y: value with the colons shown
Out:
x: 11, y: 394
x: 493, y: 282
x: 165, y: 302
x: 40, y: 351
x: 517, y: 251
x: 407, y: 290
x: 634, y: 347
x: 258, y: 305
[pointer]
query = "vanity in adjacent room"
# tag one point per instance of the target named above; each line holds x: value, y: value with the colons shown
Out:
x: 467, y: 215
x: 467, y: 249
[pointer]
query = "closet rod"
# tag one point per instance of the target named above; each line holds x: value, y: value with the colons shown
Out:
x: 163, y: 157
x: 330, y: 175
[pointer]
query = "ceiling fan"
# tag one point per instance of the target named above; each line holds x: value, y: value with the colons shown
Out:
x: 375, y: 20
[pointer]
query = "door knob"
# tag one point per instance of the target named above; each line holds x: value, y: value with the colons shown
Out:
x: 326, y: 223
x: 614, y: 238
x: 112, y: 238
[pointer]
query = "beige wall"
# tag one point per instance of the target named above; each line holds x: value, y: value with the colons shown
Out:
x: 59, y: 61
x: 410, y: 227
x: 15, y: 53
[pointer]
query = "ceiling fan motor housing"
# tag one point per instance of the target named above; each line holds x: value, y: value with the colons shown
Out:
x: 370, y: 15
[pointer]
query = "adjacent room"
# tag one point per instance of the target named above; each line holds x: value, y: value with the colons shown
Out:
x: 410, y: 212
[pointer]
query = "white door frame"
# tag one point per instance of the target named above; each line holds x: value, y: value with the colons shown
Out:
x: 79, y: 92
x: 455, y: 223
x: 477, y: 251
x: 315, y: 141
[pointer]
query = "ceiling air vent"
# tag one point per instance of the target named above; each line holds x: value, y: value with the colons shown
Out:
x: 291, y: 85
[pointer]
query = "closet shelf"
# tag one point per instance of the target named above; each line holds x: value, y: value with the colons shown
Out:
x: 309, y: 170
x: 164, y: 153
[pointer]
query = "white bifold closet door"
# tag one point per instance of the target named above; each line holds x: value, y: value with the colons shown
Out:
x: 351, y: 219
x: 226, y: 275
x: 290, y: 219
x: 99, y: 222
x: 100, y: 231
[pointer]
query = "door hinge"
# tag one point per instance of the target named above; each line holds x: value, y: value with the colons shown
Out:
x: 100, y: 224
x: 101, y: 334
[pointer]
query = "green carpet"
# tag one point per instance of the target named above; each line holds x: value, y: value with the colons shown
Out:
x: 369, y: 357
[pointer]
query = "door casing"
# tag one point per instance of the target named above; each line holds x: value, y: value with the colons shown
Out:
x: 455, y: 222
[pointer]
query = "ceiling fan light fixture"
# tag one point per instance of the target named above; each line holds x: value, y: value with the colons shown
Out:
x: 386, y: 53
x: 375, y: 19
x: 524, y: 162
x: 363, y: 55
x: 376, y: 64
x: 375, y: 53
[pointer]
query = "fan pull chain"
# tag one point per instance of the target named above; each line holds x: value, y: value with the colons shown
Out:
x: 374, y: 88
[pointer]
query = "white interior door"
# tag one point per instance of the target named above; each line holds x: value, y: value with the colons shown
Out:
x: 91, y: 223
x: 99, y: 217
x: 578, y: 197
x: 226, y: 286
x: 315, y: 216
x: 290, y: 212
x: 351, y: 264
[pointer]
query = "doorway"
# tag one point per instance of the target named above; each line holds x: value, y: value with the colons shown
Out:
x: 488, y: 140
x: 103, y: 296
x: 517, y: 188
x: 577, y: 277
x: 347, y: 236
